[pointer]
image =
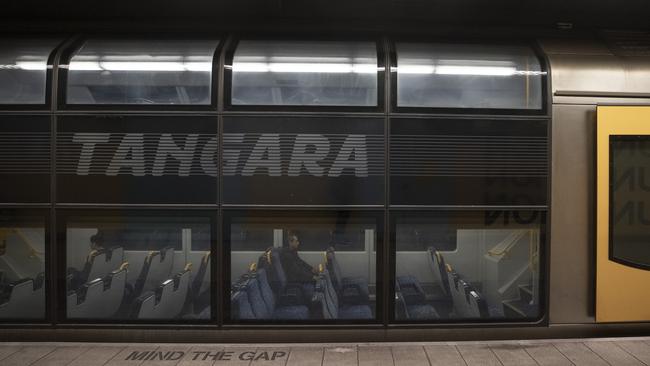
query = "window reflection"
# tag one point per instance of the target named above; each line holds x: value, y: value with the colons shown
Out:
x: 302, y: 268
x: 468, y: 76
x: 22, y: 269
x: 141, y: 72
x: 138, y: 268
x: 489, y: 268
x: 304, y: 73
x: 23, y: 70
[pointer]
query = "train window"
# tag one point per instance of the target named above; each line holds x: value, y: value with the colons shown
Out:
x: 23, y: 70
x: 302, y: 267
x: 468, y: 76
x: 141, y: 72
x: 630, y: 155
x: 469, y: 265
x: 138, y: 268
x: 304, y: 73
x: 22, y: 268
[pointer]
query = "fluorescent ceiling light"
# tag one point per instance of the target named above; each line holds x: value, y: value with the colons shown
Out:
x: 465, y: 70
x: 139, y: 66
x: 26, y: 65
x: 475, y: 70
x: 313, y: 68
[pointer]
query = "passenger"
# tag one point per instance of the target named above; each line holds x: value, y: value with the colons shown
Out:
x: 296, y: 269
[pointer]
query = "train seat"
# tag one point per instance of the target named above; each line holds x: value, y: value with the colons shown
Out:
x: 240, y: 306
x: 156, y: 269
x: 106, y: 262
x: 288, y: 293
x: 352, y: 290
x: 100, y: 298
x: 261, y: 308
x: 477, y: 306
x: 457, y: 287
x: 24, y: 298
x: 167, y: 301
x: 419, y: 310
x: 201, y: 283
x: 335, y: 308
x: 437, y: 263
x: 411, y: 289
x: 99, y: 263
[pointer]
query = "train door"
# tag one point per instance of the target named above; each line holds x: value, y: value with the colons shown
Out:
x: 623, y: 220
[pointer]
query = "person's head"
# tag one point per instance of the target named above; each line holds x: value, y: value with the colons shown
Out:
x: 293, y: 240
x: 97, y: 240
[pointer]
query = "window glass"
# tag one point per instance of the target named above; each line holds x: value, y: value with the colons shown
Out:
x: 304, y: 73
x: 305, y: 267
x: 468, y: 266
x: 629, y: 192
x: 22, y: 268
x: 141, y: 72
x: 23, y: 70
x: 468, y: 76
x: 140, y: 268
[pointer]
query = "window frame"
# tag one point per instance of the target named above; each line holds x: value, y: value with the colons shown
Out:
x: 19, y: 214
x: 68, y: 52
x: 230, y: 54
x: 543, y: 267
x: 526, y: 42
x: 378, y: 319
x: 63, y: 217
x: 60, y: 42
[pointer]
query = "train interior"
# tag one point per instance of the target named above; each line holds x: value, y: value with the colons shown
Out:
x: 444, y: 270
x: 22, y: 270
x: 449, y: 272
x: 330, y: 275
x: 142, y: 268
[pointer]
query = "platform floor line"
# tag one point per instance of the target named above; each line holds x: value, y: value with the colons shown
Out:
x: 577, y: 352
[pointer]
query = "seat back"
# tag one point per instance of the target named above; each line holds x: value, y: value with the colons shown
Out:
x: 265, y: 288
x: 332, y: 264
x: 156, y: 269
x: 240, y: 307
x: 23, y: 300
x: 457, y: 290
x: 102, y: 262
x: 167, y: 301
x: 401, y: 312
x: 437, y: 263
x: 277, y: 278
x: 201, y: 282
x: 331, y: 298
x: 99, y: 298
x: 477, y: 306
x: 256, y: 300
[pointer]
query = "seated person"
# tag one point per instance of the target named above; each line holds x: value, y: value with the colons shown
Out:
x: 296, y: 269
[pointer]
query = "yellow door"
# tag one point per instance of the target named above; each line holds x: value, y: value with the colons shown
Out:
x: 623, y: 214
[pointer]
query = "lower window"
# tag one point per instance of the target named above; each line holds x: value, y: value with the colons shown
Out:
x: 468, y: 266
x: 302, y: 266
x: 138, y: 268
x: 22, y: 267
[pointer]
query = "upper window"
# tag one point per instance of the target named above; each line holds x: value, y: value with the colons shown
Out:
x: 297, y: 73
x: 468, y: 76
x: 23, y: 70
x: 141, y: 72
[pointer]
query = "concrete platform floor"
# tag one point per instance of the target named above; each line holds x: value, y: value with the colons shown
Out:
x: 589, y: 352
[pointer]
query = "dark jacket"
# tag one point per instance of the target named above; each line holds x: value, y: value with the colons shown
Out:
x: 296, y: 269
